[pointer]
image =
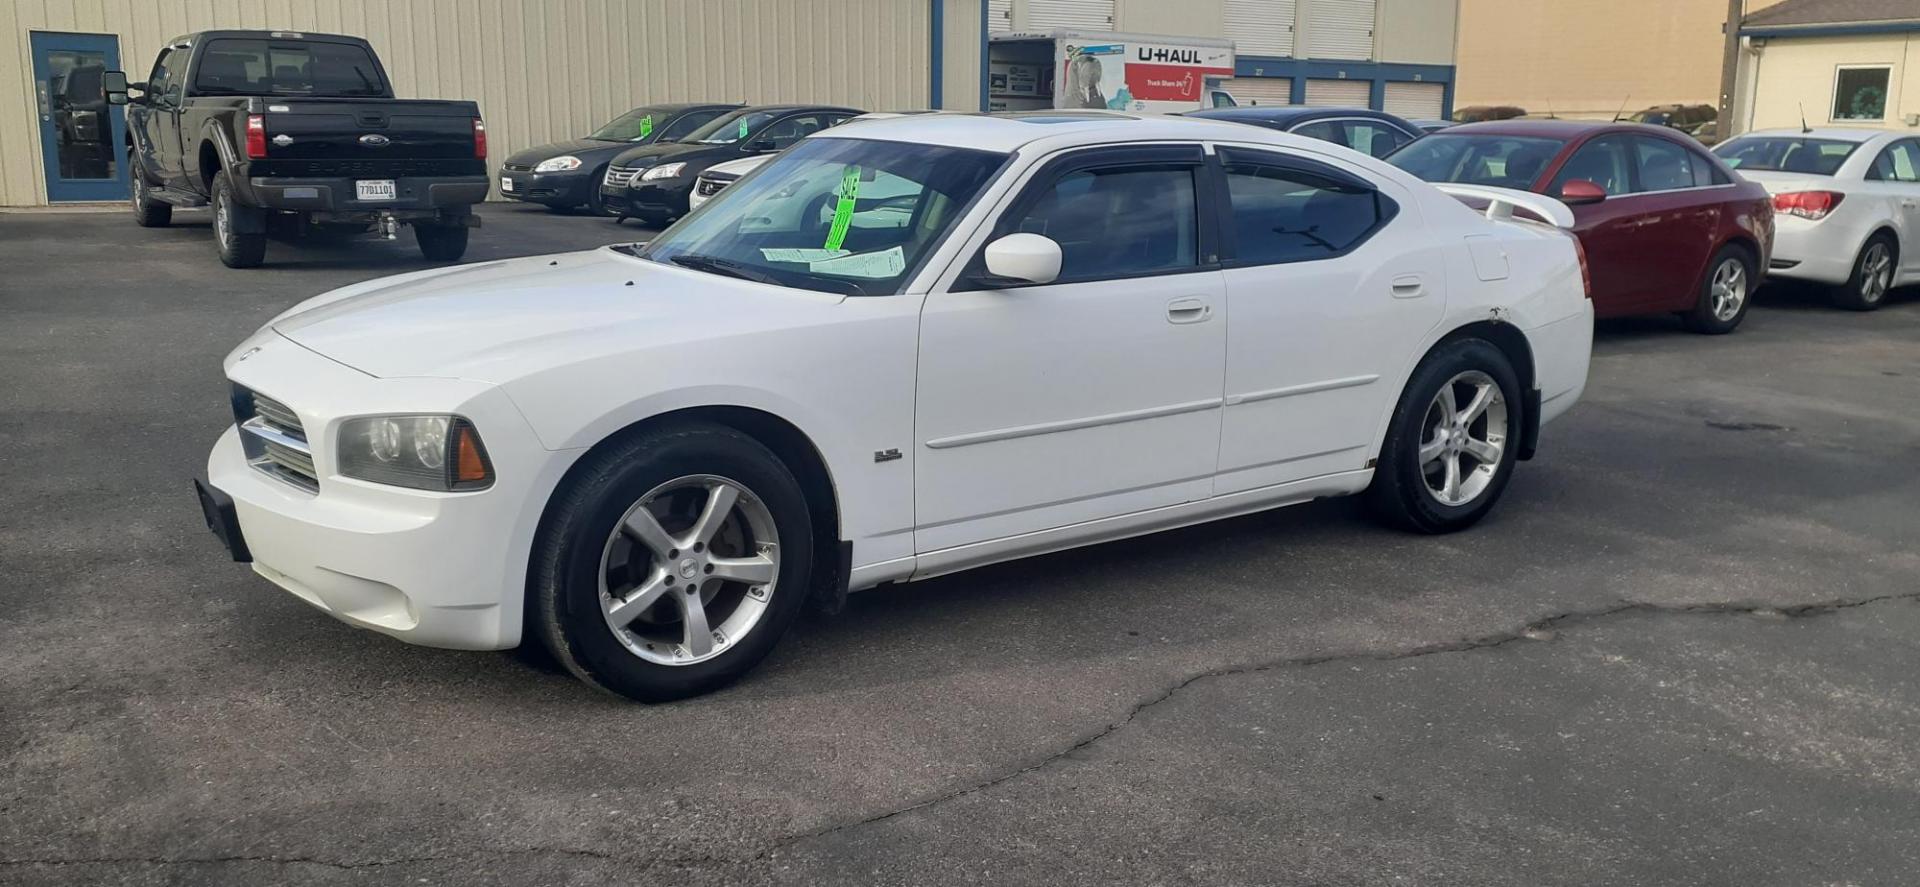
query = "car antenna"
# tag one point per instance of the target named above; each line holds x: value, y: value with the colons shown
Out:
x: 1804, y: 128
x: 1550, y: 114
x: 1623, y: 108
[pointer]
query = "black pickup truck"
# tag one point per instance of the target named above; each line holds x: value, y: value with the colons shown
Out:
x: 259, y: 123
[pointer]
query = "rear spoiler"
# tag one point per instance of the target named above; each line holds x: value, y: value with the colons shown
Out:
x: 1501, y: 202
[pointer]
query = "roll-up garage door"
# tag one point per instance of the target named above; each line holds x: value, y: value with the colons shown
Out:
x: 1045, y: 15
x: 1260, y: 27
x: 1263, y: 91
x: 999, y: 16
x: 1339, y: 93
x: 1415, y: 101
x: 1340, y: 29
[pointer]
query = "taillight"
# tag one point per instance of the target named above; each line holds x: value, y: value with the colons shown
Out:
x: 1815, y: 205
x: 479, y: 138
x: 1586, y: 272
x: 256, y: 137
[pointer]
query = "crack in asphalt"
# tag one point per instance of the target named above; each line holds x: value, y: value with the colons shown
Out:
x: 1540, y: 629
x: 1529, y: 631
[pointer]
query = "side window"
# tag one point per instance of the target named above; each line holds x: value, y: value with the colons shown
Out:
x: 687, y: 123
x: 1374, y: 139
x: 792, y: 129
x: 159, y: 81
x: 1604, y: 162
x: 1119, y: 221
x: 1324, y: 130
x: 1290, y: 215
x: 1899, y: 163
x: 1706, y: 173
x: 1664, y: 166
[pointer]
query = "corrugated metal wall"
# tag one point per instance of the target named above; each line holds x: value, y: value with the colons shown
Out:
x: 540, y: 69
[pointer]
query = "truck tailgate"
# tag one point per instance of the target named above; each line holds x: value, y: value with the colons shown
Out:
x: 368, y: 137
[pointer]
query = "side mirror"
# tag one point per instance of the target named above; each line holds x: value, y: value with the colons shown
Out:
x: 761, y: 146
x: 1580, y: 192
x: 1024, y: 258
x: 114, y: 84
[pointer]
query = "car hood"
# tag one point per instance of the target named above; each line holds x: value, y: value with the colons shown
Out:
x: 666, y: 152
x: 499, y: 321
x: 576, y: 147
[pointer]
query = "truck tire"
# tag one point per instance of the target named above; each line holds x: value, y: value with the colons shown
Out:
x: 147, y: 212
x: 236, y: 250
x: 441, y: 243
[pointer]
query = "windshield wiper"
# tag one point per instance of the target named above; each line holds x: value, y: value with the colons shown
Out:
x: 725, y: 267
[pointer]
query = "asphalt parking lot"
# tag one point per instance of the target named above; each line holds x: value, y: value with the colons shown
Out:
x: 1682, y: 650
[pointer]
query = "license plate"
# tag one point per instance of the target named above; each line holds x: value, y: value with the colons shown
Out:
x: 375, y: 189
x: 506, y: 184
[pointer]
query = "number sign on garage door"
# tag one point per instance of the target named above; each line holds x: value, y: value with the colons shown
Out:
x: 1339, y: 93
x: 1415, y: 101
x: 1340, y: 29
x: 1261, y: 27
x: 1045, y: 15
x: 1263, y: 91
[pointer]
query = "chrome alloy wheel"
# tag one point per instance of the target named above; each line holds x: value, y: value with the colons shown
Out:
x: 139, y: 191
x: 1876, y: 272
x: 1462, y: 438
x: 222, y: 226
x: 690, y: 570
x: 1729, y: 289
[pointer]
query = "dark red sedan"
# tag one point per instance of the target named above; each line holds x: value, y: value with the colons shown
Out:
x: 1667, y: 227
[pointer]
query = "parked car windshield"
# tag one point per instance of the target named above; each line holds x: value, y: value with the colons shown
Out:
x: 1500, y: 161
x: 236, y: 66
x: 849, y: 216
x: 729, y: 128
x: 1821, y: 157
x: 632, y: 126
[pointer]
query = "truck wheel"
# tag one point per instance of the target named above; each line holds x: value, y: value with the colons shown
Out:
x: 147, y: 212
x: 441, y: 243
x: 236, y: 250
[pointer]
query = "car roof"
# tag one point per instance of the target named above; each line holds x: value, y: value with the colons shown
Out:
x: 786, y: 108
x: 1007, y: 132
x: 282, y: 33
x: 1556, y: 129
x: 1830, y: 133
x: 687, y: 106
x: 1286, y: 113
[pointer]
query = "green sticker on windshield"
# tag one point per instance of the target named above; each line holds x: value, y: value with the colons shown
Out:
x: 646, y: 126
x: 743, y: 128
x: 843, y: 209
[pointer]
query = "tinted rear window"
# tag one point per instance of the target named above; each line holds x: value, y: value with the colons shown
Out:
x: 1822, y: 157
x: 1500, y: 161
x: 287, y: 67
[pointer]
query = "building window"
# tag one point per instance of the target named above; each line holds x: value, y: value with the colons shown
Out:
x: 1860, y: 93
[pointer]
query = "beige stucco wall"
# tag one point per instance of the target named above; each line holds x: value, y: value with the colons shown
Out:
x: 1585, y: 57
x: 542, y: 69
x: 1416, y: 31
x: 1790, y: 74
x: 1190, y: 18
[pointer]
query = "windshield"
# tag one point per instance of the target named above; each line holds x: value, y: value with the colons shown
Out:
x: 730, y: 128
x: 293, y: 67
x: 1655, y: 118
x: 846, y: 216
x: 1820, y: 157
x: 1500, y: 161
x: 633, y: 126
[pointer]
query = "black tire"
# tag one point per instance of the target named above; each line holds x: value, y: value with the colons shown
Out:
x: 655, y: 220
x: 565, y: 580
x: 147, y: 212
x: 1862, y: 292
x: 1400, y: 494
x: 441, y: 243
x: 236, y: 250
x: 1710, y: 315
x: 596, y: 206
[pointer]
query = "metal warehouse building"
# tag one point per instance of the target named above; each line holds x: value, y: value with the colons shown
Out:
x: 543, y: 70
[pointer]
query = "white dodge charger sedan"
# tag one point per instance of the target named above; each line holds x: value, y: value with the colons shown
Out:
x: 648, y: 457
x: 1846, y: 206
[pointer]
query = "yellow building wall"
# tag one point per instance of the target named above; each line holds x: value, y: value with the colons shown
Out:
x: 542, y: 69
x: 1791, y: 74
x: 1584, y: 58
x: 1420, y: 32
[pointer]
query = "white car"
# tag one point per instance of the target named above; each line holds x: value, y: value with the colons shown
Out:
x: 1846, y: 206
x: 647, y: 457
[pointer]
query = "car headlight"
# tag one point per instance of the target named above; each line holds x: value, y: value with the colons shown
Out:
x: 442, y: 453
x: 561, y: 163
x: 663, y: 171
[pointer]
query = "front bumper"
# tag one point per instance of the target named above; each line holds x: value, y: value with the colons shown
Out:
x: 336, y: 194
x: 665, y: 197
x: 438, y: 569
x: 570, y: 188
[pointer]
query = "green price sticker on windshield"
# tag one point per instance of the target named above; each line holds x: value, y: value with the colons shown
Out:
x: 843, y: 209
x: 646, y: 126
x: 743, y: 129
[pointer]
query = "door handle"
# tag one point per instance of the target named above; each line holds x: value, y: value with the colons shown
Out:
x: 1191, y: 309
x: 1409, y: 286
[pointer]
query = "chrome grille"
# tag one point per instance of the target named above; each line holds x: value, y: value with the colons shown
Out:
x: 621, y: 176
x: 274, y: 440
x: 707, y: 187
x: 517, y: 167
